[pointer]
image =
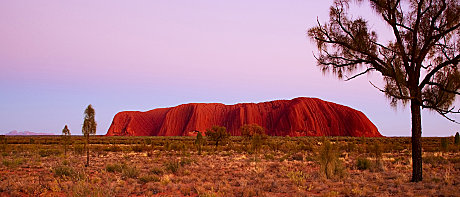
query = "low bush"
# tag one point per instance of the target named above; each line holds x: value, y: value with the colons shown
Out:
x: 149, y: 178
x: 115, y: 167
x: 130, y: 172
x: 363, y: 164
x: 328, y: 158
x: 172, y: 166
x: 157, y: 171
x: 79, y: 149
x: 48, y: 152
x: 435, y: 160
x: 63, y: 171
x: 12, y: 163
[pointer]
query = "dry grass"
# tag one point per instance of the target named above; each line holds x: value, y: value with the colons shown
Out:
x: 139, y: 166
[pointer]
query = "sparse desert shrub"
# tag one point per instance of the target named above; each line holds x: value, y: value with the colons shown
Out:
x: 148, y: 141
x: 84, y: 188
x: 115, y: 167
x: 13, y: 163
x: 48, y: 152
x: 363, y: 164
x: 305, y: 145
x: 257, y: 141
x: 186, y: 161
x: 289, y: 147
x: 328, y: 157
x: 130, y: 172
x: 149, y: 178
x: 435, y: 160
x: 376, y: 151
x: 139, y: 148
x: 79, y: 149
x: 350, y: 147
x: 112, y: 148
x: 444, y: 144
x: 269, y: 156
x: 63, y: 171
x: 156, y: 170
x: 275, y: 144
x: 457, y: 139
x: 172, y: 166
x: 177, y: 146
x: 297, y: 177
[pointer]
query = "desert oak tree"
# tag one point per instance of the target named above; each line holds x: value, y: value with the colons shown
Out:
x: 65, y: 138
x: 419, y: 65
x: 89, y: 128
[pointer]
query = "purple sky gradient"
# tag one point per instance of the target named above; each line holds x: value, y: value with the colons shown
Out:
x: 56, y: 57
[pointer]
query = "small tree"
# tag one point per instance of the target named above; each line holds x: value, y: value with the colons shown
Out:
x: 89, y: 128
x: 65, y: 138
x: 199, y: 142
x: 217, y: 134
x: 457, y: 139
x: 255, y: 133
x: 249, y: 130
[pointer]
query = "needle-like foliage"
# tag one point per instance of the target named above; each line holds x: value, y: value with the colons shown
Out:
x: 419, y: 66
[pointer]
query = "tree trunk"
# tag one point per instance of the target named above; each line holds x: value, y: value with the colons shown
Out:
x: 87, y: 150
x: 416, y: 141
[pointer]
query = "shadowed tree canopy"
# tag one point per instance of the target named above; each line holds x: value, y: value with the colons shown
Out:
x: 419, y: 66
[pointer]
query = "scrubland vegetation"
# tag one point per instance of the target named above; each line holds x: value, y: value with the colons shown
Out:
x: 252, y: 165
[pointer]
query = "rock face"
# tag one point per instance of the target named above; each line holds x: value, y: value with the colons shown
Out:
x: 296, y: 117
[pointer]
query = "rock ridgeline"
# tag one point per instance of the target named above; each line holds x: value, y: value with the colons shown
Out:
x: 296, y: 117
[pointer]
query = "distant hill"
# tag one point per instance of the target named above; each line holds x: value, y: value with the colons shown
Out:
x: 26, y: 133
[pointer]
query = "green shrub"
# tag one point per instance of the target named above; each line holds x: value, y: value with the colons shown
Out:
x: 157, y: 171
x: 434, y: 160
x: 269, y: 156
x: 13, y: 163
x: 48, y: 152
x: 328, y: 157
x: 115, y: 167
x: 363, y: 164
x: 79, y: 149
x: 130, y: 172
x: 63, y: 171
x: 149, y: 178
x: 139, y: 148
x: 148, y: 141
x: 172, y: 166
x: 297, y: 177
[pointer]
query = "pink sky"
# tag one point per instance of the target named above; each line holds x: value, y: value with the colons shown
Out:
x: 57, y: 57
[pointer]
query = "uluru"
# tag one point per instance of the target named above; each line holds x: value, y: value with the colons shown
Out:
x: 297, y: 117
